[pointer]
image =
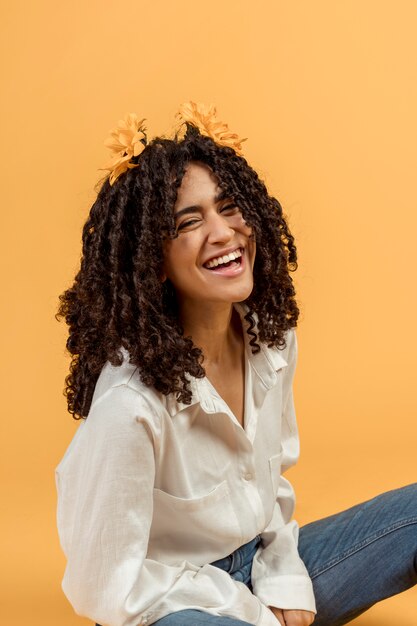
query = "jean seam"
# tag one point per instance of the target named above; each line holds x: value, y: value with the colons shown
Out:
x: 363, y: 544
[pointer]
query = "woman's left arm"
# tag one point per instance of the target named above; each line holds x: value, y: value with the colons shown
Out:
x: 279, y: 576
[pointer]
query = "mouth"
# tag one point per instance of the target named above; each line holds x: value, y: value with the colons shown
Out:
x: 229, y: 264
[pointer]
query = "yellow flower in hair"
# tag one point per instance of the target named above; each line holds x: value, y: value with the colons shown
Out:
x: 203, y: 117
x: 126, y: 141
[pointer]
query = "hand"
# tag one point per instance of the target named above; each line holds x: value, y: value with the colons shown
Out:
x: 293, y: 617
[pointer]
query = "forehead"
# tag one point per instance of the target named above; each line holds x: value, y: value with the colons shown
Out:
x: 198, y: 182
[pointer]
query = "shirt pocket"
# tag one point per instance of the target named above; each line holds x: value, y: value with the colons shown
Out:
x: 275, y: 471
x: 192, y: 504
x: 195, y: 528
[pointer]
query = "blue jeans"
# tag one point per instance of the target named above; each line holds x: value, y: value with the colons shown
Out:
x: 355, y: 558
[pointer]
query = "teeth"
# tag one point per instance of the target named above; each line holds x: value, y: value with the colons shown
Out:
x: 224, y: 259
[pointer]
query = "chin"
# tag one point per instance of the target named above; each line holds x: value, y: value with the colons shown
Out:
x: 239, y: 295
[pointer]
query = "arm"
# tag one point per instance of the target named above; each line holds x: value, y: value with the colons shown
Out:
x: 279, y: 577
x: 105, y: 506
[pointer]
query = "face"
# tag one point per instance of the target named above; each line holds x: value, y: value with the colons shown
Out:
x: 212, y: 258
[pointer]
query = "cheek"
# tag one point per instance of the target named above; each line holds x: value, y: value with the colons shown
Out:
x: 244, y: 227
x: 179, y: 255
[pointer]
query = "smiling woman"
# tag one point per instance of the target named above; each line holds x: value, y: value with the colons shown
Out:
x: 210, y: 264
x: 151, y: 229
x: 172, y: 506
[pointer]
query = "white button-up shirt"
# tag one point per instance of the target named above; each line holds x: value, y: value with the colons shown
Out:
x: 151, y: 491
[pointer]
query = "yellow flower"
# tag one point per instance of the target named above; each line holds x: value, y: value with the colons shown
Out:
x: 127, y: 140
x: 203, y: 116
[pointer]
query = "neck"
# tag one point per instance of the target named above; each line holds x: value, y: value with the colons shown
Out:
x: 214, y: 327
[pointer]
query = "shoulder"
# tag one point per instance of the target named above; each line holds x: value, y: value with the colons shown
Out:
x: 281, y: 357
x: 122, y: 417
x: 291, y: 346
x: 121, y: 385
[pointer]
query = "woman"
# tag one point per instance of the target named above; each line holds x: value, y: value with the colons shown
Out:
x: 172, y: 507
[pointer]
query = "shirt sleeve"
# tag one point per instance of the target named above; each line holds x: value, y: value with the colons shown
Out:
x: 279, y: 576
x: 105, y: 504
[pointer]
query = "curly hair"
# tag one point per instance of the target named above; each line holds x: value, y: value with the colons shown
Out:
x: 118, y: 299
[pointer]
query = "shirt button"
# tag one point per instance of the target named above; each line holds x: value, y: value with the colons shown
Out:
x: 248, y: 476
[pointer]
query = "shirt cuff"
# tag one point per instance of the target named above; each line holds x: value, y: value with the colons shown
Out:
x: 287, y: 592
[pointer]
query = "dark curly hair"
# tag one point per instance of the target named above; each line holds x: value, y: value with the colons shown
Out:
x: 117, y: 298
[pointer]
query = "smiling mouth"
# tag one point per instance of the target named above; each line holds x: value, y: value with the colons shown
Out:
x: 232, y: 260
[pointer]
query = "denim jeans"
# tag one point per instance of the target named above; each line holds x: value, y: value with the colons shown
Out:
x: 355, y: 558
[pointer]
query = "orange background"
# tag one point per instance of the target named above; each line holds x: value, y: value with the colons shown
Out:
x: 326, y: 93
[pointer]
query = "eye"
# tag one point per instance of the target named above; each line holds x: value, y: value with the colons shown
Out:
x: 187, y: 223
x: 230, y: 208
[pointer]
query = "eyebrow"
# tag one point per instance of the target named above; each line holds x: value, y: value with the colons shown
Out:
x: 196, y: 207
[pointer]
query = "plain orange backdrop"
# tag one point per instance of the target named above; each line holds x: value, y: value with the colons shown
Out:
x: 326, y: 93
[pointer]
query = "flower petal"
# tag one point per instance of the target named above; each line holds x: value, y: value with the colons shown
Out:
x: 138, y: 148
x: 203, y: 116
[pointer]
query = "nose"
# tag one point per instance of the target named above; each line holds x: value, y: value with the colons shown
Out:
x: 219, y: 229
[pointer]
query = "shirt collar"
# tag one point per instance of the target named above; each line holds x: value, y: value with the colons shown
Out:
x: 174, y: 406
x: 267, y: 361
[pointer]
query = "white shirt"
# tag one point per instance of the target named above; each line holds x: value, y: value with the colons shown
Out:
x: 151, y: 491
